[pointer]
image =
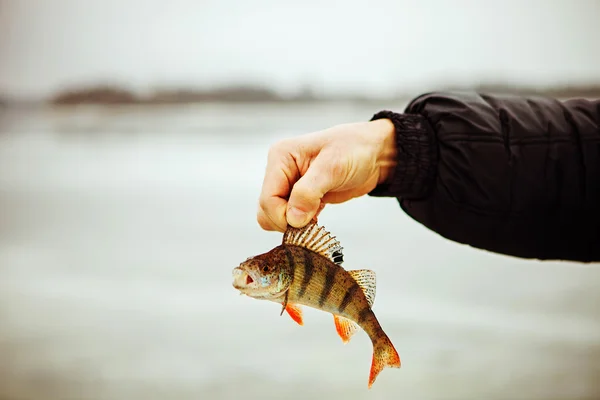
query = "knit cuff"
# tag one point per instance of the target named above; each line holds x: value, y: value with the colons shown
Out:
x: 416, y: 157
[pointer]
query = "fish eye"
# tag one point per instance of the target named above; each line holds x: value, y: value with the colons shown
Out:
x: 266, y: 268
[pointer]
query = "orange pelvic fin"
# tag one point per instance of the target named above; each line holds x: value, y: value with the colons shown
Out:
x: 344, y: 327
x: 295, y: 312
x: 384, y: 355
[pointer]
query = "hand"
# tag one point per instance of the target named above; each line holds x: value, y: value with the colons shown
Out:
x: 330, y: 166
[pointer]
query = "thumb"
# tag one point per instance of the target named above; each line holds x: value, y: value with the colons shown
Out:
x: 305, y: 197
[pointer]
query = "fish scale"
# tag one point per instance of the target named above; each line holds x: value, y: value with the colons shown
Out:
x: 310, y: 283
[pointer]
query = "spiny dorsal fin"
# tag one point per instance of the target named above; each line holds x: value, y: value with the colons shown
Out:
x: 367, y: 281
x: 316, y: 238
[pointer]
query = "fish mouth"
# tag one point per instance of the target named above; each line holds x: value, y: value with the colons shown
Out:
x: 241, y: 278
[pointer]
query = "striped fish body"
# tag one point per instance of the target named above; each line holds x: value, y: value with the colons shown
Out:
x: 322, y: 284
x: 306, y: 270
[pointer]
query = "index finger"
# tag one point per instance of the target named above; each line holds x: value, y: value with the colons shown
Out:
x: 280, y: 175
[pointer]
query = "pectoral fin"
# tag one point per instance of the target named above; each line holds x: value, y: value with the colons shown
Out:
x: 344, y: 327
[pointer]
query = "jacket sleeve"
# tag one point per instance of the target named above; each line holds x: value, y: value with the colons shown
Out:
x: 518, y: 176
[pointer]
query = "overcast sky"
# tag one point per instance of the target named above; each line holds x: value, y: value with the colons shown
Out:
x: 371, y: 46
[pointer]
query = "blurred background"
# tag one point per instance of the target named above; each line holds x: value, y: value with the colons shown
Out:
x: 133, y: 139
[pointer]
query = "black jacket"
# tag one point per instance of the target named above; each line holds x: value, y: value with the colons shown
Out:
x: 514, y: 175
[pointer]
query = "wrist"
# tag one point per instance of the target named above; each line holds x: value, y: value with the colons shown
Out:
x: 408, y: 167
x: 385, y: 132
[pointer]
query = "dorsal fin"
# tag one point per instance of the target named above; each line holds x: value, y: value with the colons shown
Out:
x: 367, y: 281
x: 316, y: 238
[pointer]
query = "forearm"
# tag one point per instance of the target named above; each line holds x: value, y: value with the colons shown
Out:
x: 511, y: 175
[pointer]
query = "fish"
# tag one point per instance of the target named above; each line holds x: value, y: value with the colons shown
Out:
x: 306, y: 270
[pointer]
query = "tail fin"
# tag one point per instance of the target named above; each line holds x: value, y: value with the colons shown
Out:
x: 384, y: 355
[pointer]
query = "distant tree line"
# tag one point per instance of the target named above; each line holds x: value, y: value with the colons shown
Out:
x: 114, y: 94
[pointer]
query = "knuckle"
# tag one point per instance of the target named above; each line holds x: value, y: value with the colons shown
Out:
x: 304, y: 193
x: 263, y: 203
x: 263, y: 221
x: 302, y: 188
x: 277, y: 148
x: 273, y: 150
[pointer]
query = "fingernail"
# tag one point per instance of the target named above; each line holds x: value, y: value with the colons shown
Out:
x: 296, y: 216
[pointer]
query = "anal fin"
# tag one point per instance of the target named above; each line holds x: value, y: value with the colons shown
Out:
x: 295, y: 312
x: 344, y: 327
